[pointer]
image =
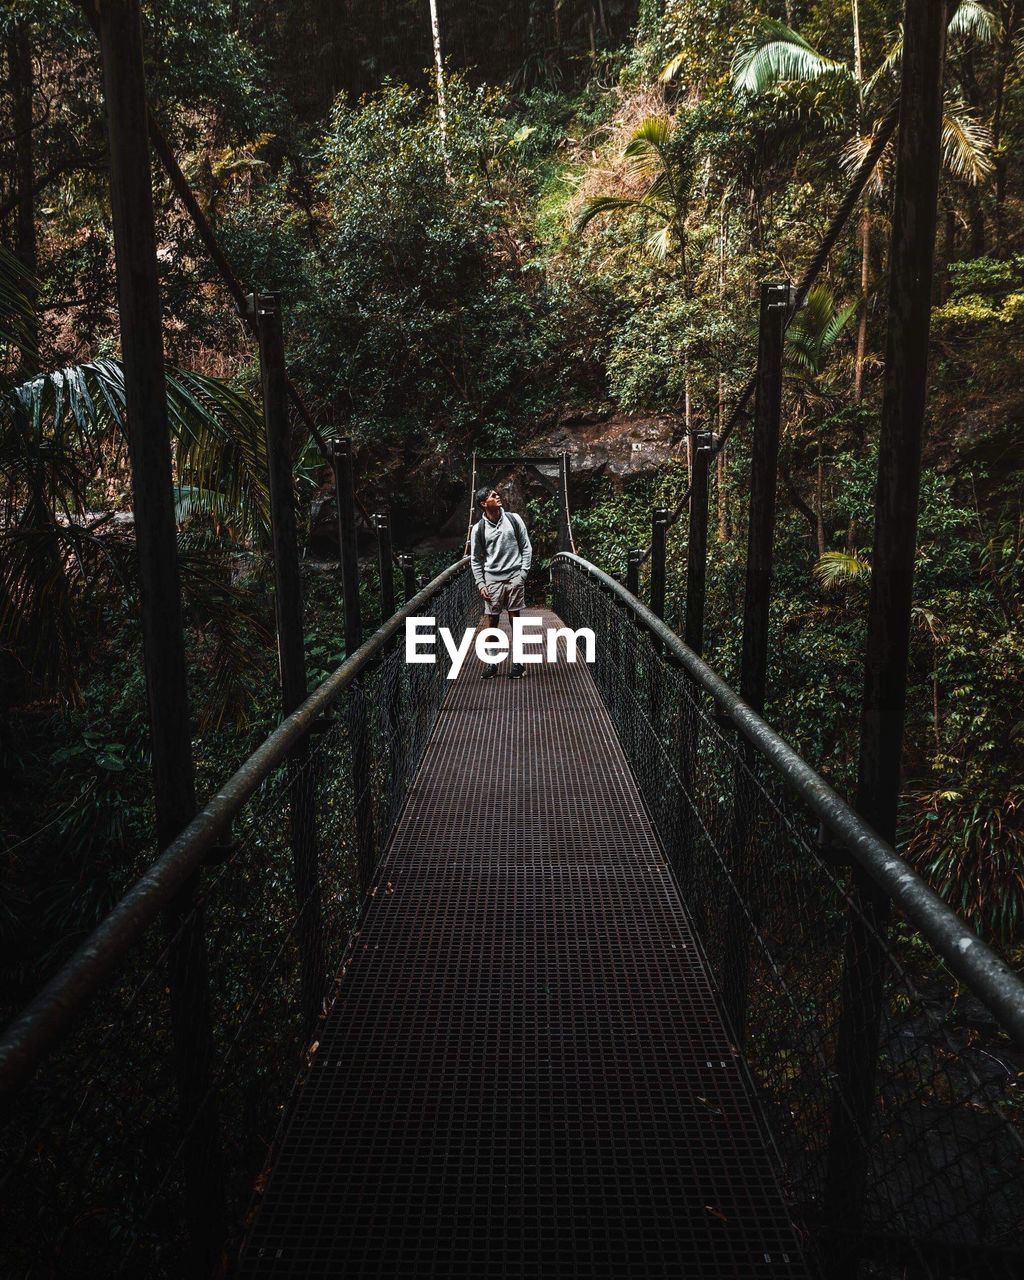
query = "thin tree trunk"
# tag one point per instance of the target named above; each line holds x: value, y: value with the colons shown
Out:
x: 865, y: 281
x: 858, y: 61
x: 722, y: 472
x: 865, y: 237
x: 442, y: 114
x: 936, y: 725
x: 19, y: 55
x: 819, y: 502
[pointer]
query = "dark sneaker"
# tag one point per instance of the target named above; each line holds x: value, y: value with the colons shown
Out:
x: 517, y: 672
x: 489, y: 672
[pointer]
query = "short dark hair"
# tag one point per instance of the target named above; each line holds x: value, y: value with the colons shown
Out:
x: 480, y: 496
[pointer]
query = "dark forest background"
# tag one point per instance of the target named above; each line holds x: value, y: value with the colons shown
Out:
x: 573, y: 262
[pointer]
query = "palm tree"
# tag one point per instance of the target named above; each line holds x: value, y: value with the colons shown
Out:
x: 663, y: 157
x: 59, y: 432
x: 773, y: 57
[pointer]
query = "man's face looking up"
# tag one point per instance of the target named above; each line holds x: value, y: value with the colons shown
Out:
x: 492, y: 505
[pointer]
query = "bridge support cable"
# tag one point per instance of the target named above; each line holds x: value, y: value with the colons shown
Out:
x: 911, y: 265
x: 131, y: 198
x: 264, y: 311
x: 941, y: 1138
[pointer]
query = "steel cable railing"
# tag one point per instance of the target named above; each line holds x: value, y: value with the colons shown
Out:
x: 91, y: 1149
x: 764, y: 852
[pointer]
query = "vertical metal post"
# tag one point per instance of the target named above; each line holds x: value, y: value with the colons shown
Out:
x: 265, y: 311
x: 697, y: 544
x: 764, y: 467
x: 348, y: 550
x: 918, y: 158
x: 564, y: 537
x: 408, y: 577
x: 659, y: 531
x: 775, y: 305
x: 633, y: 571
x: 359, y: 736
x: 385, y: 565
x: 131, y: 199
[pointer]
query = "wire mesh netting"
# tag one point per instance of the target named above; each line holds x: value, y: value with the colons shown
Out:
x: 932, y: 1133
x: 93, y: 1150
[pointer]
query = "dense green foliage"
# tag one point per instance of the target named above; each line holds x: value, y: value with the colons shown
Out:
x: 585, y: 240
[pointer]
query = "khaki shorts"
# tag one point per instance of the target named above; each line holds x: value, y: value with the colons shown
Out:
x: 504, y: 595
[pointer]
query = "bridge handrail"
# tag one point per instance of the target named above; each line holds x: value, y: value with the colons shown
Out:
x: 987, y: 976
x: 33, y: 1033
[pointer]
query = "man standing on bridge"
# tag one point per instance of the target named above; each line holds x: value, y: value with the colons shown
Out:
x: 500, y: 555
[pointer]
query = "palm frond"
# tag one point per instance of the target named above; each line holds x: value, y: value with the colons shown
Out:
x: 888, y: 66
x: 834, y: 329
x: 854, y: 153
x: 597, y: 205
x: 659, y: 243
x: 838, y: 568
x: 219, y: 443
x: 671, y: 68
x: 973, y: 19
x: 773, y: 53
x: 966, y: 145
x: 645, y: 151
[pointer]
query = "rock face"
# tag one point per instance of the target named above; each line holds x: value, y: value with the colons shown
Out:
x: 617, y: 446
x: 428, y: 498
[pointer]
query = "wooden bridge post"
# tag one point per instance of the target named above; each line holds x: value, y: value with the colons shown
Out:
x: 265, y: 311
x: 697, y: 544
x: 911, y: 259
x: 385, y: 565
x: 764, y: 464
x: 659, y: 531
x: 131, y: 198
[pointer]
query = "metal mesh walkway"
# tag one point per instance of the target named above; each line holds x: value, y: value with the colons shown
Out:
x: 525, y: 1073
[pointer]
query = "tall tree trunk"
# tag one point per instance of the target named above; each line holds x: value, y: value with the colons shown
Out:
x: 948, y: 246
x: 19, y: 57
x: 1003, y: 60
x: 865, y: 237
x: 721, y: 468
x: 819, y: 502
x: 865, y: 282
x: 722, y: 472
x: 442, y: 114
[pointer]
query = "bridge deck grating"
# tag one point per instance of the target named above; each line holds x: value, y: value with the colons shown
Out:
x: 525, y: 1073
